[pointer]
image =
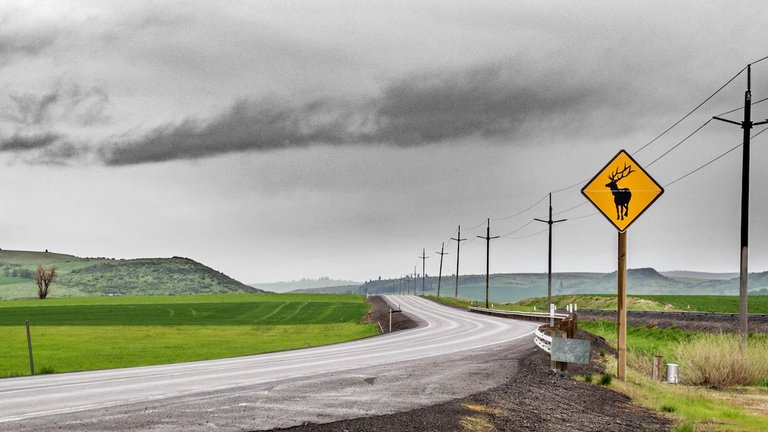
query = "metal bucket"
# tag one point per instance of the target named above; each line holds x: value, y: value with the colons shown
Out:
x: 672, y: 373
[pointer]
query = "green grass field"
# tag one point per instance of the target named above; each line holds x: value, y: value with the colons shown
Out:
x: 107, y: 332
x: 758, y: 304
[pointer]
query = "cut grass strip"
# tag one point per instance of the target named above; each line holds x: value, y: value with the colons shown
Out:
x: 78, y: 348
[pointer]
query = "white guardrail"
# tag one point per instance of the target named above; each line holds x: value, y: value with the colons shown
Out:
x: 542, y: 341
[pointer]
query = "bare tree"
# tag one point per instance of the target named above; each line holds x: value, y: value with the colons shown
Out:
x: 43, y: 279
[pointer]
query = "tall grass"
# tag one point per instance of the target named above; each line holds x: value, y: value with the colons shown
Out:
x: 717, y: 361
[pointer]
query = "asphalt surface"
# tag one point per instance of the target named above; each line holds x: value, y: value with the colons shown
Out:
x: 451, y: 354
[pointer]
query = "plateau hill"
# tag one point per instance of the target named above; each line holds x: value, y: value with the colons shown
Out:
x: 106, y: 276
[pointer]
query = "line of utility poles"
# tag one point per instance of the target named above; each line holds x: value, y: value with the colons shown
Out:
x: 488, y: 239
x: 747, y: 124
x: 458, y: 240
x: 550, y: 222
x: 440, y: 273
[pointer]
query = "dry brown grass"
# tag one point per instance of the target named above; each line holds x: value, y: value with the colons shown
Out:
x: 717, y: 361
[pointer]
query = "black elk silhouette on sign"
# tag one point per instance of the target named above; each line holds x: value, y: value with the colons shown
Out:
x: 621, y: 196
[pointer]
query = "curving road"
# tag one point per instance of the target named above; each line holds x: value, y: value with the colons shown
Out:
x: 451, y: 354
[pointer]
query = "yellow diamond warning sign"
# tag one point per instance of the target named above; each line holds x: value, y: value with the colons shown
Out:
x: 622, y: 190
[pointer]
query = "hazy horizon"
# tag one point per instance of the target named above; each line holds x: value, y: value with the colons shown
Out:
x: 284, y: 140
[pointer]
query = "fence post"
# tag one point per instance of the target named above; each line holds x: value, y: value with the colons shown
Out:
x: 29, y: 348
x: 658, y: 361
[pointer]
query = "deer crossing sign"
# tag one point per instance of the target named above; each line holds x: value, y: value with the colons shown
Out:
x: 622, y: 190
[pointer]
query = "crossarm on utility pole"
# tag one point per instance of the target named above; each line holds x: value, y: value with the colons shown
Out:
x: 458, y: 241
x: 550, y: 222
x: 488, y: 239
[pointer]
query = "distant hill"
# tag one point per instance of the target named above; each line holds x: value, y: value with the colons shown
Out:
x: 695, y: 276
x: 343, y: 289
x: 505, y: 288
x: 304, y: 284
x: 105, y: 276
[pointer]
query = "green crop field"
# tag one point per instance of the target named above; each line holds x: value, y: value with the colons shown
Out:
x: 696, y: 303
x: 105, y: 332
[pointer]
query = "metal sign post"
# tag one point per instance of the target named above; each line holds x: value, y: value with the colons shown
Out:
x: 622, y: 205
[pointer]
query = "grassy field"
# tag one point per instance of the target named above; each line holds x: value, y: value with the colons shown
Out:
x: 698, y: 303
x: 697, y: 408
x: 106, y: 332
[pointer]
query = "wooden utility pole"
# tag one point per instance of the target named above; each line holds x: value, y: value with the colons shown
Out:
x: 743, y: 272
x: 423, y: 259
x: 549, y: 261
x: 440, y: 273
x: 458, y: 240
x: 488, y: 239
x: 621, y: 313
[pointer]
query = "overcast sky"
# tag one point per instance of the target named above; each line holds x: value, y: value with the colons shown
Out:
x: 277, y: 140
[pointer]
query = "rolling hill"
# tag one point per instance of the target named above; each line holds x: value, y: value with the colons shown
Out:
x: 306, y: 284
x: 506, y: 288
x: 106, y: 276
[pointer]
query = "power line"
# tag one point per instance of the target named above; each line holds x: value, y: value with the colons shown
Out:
x: 692, y: 111
x: 679, y: 143
x: 517, y: 229
x: 715, y: 159
x: 741, y: 107
x: 522, y: 211
x: 571, y: 208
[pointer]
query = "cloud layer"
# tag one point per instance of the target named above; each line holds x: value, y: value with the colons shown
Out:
x: 489, y: 102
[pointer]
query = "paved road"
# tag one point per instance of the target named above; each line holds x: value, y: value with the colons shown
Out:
x: 451, y: 354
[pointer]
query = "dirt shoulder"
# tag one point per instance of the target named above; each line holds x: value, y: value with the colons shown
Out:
x: 533, y: 399
x: 711, y: 323
x: 379, y: 314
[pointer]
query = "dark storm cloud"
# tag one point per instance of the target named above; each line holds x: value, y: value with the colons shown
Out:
x: 23, y: 143
x: 14, y: 45
x: 65, y: 102
x: 489, y: 102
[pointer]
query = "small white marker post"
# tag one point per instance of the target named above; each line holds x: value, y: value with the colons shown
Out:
x: 551, y: 314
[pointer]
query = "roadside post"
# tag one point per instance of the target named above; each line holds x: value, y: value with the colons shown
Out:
x: 29, y: 348
x: 622, y: 206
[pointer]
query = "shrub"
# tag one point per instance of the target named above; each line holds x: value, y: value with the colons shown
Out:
x: 606, y: 379
x: 588, y: 377
x: 667, y: 408
x: 45, y: 370
x: 717, y: 361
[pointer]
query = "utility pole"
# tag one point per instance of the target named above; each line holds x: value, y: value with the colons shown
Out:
x: 488, y: 239
x: 424, y: 259
x: 458, y: 240
x: 415, y: 287
x: 743, y: 273
x: 440, y: 273
x: 550, y: 222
